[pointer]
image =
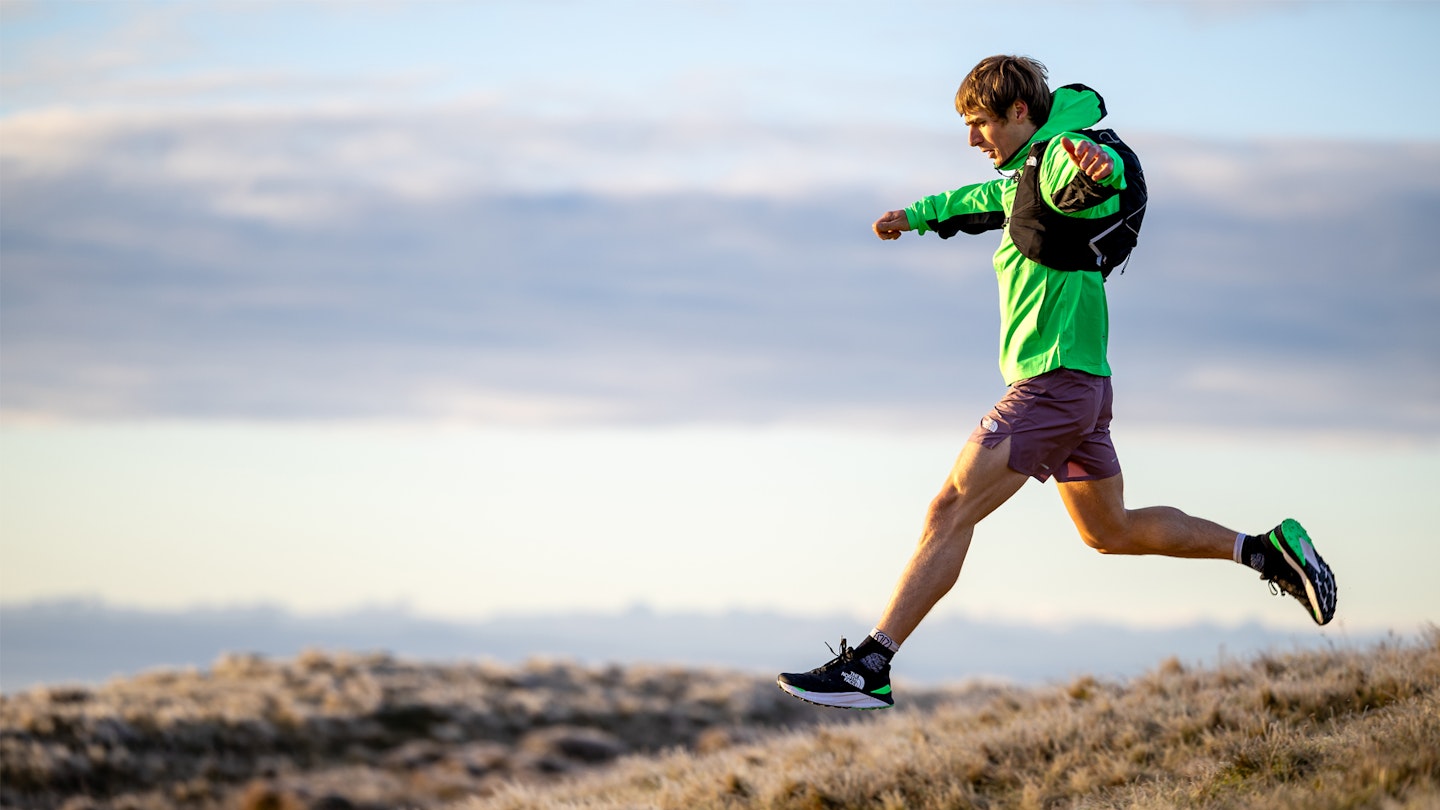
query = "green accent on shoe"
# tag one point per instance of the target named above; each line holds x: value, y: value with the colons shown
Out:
x: 1293, y: 535
x: 884, y: 690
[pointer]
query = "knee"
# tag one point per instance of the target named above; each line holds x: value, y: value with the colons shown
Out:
x: 1109, y: 539
x: 945, y: 502
x: 946, y: 516
x: 1098, y: 542
x: 943, y: 509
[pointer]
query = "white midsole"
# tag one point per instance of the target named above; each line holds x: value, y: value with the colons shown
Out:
x: 1299, y: 568
x: 843, y: 700
x: 1309, y: 589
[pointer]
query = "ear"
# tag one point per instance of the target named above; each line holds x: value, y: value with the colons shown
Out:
x: 1019, y: 111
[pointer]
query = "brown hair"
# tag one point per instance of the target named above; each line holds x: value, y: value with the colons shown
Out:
x: 999, y: 81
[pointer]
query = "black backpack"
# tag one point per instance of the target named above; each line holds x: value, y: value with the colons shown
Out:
x: 1072, y: 243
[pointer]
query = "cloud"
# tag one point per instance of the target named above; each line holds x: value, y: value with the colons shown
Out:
x: 469, y: 262
x: 482, y: 146
x: 44, y: 62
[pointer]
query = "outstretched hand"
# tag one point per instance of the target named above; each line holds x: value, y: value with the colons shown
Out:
x: 1092, y: 159
x: 891, y: 225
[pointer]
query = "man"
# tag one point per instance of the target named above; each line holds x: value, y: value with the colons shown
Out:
x: 1054, y: 419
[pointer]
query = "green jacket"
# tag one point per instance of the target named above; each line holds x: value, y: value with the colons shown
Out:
x: 1049, y: 318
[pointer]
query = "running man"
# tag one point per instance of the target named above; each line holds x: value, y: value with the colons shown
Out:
x: 1064, y: 192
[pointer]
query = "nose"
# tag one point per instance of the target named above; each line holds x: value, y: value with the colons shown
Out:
x: 975, y: 139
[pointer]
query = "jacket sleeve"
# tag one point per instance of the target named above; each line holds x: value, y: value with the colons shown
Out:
x: 972, y: 209
x: 1070, y: 192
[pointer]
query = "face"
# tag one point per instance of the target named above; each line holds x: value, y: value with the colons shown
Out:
x: 999, y: 138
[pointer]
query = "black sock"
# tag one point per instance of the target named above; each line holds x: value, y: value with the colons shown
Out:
x: 1252, y: 551
x: 876, y: 644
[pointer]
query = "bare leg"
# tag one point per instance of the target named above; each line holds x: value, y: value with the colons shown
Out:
x: 980, y: 481
x: 1098, y: 509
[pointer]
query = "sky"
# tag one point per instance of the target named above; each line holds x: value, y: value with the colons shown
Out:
x: 475, y: 309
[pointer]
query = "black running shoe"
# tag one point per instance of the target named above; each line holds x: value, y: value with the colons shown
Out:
x: 844, y: 682
x: 1293, y: 566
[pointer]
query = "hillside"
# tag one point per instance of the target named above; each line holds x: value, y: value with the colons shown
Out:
x: 368, y: 731
x: 1312, y: 729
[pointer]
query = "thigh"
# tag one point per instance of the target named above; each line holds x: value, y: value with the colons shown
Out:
x: 980, y: 481
x: 1096, y: 506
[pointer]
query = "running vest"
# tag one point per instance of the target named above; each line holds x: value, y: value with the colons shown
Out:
x: 1072, y: 243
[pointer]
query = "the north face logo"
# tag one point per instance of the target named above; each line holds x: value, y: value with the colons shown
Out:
x: 854, y: 679
x: 873, y: 662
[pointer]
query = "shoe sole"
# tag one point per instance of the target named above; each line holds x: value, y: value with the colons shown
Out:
x: 1293, y: 531
x: 835, y: 700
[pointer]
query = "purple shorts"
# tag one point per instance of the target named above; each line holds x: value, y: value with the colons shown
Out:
x: 1058, y: 424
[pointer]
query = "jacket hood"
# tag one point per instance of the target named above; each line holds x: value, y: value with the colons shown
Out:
x: 1072, y: 107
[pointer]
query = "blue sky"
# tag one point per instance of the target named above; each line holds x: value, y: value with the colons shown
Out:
x: 489, y: 307
x: 1219, y: 68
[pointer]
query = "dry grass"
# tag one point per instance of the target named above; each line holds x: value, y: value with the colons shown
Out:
x: 1310, y: 730
x: 1326, y: 729
x: 370, y: 731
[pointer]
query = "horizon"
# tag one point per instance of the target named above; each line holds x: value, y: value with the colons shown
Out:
x: 90, y: 642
